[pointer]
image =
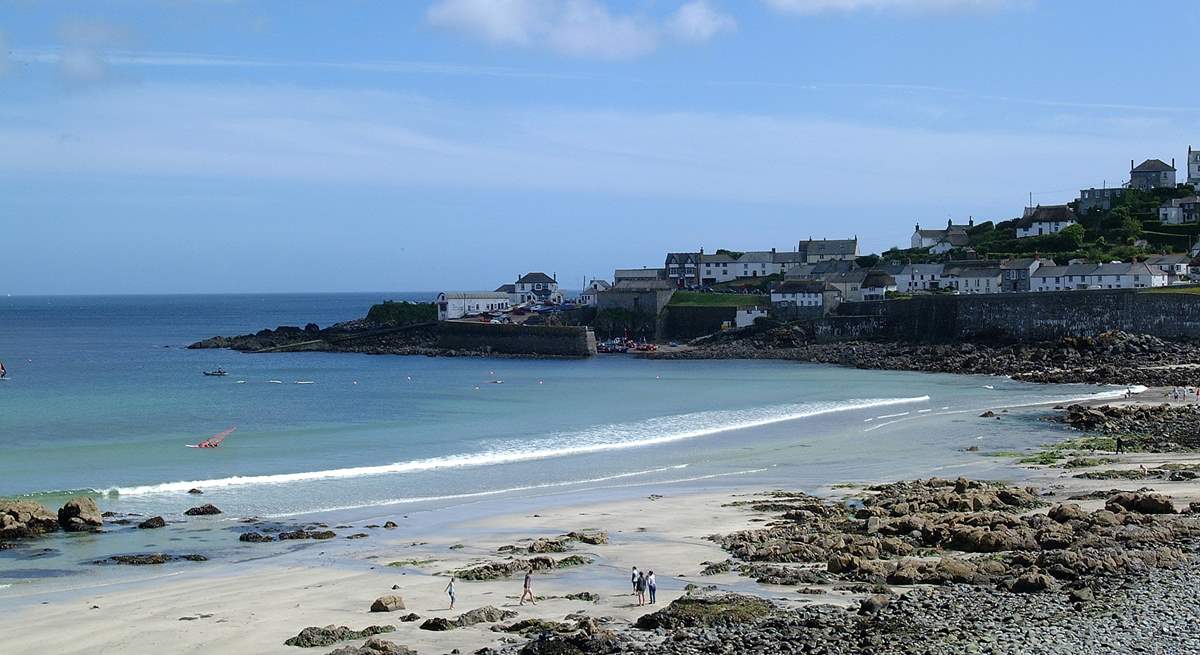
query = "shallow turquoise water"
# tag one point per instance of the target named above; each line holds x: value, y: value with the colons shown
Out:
x: 103, y: 398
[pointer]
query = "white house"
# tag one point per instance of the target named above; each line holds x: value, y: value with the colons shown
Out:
x: 876, y: 285
x: 972, y: 279
x: 955, y: 236
x: 745, y: 316
x: 1175, y: 266
x: 1180, y: 210
x: 533, y: 288
x: 1045, y: 219
x: 588, y: 297
x: 457, y: 304
x: 799, y: 293
x: 1114, y: 275
x: 919, y: 277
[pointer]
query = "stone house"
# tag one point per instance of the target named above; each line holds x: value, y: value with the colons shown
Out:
x: 1151, y: 174
x: 1017, y: 272
x: 1180, y: 211
x: 1101, y: 199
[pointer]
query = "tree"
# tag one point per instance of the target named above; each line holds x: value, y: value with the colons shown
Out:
x: 867, y: 261
x: 1071, y: 237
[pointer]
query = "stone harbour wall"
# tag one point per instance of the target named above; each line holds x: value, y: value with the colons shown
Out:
x: 1022, y: 316
x: 537, y: 340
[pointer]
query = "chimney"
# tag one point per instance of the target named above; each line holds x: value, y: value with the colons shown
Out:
x: 554, y: 277
x: 1130, y: 165
x: 1172, y: 162
x: 772, y: 251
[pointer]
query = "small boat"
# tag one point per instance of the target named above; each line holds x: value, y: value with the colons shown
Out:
x: 219, y: 373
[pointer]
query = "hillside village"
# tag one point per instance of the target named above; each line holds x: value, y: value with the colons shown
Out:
x: 1141, y: 234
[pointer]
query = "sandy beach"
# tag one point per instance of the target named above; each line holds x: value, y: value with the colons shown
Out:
x: 252, y: 607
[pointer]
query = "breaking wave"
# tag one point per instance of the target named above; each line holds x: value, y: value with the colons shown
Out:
x: 602, y: 438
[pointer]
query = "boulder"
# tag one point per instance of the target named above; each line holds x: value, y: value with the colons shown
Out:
x: 1034, y: 582
x: 255, y: 537
x: 25, y: 518
x: 152, y: 523
x: 207, y: 509
x: 1143, y: 503
x: 194, y: 491
x: 374, y: 646
x: 390, y: 603
x: 707, y: 611
x: 873, y: 603
x: 487, y: 614
x: 80, y: 515
x: 332, y: 634
x: 1067, y: 512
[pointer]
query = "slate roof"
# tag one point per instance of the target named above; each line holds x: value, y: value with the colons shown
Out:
x: 800, y: 286
x: 1047, y: 214
x: 827, y: 247
x: 506, y: 288
x: 475, y: 295
x: 1050, y: 271
x: 641, y: 285
x: 535, y: 278
x: 1153, y: 166
x: 878, y: 280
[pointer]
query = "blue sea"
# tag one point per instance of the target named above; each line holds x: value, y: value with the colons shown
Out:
x: 103, y: 397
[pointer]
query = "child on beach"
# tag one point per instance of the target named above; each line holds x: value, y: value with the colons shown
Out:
x: 450, y: 592
x: 528, y: 591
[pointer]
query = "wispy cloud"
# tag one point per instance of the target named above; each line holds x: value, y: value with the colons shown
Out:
x: 342, y: 137
x: 823, y: 6
x: 581, y: 28
x: 81, y: 60
x: 698, y: 21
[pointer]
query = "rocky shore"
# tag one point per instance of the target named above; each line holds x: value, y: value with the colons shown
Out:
x: 1108, y: 358
x: 1151, y: 428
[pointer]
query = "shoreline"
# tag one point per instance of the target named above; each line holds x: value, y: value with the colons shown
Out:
x: 252, y: 606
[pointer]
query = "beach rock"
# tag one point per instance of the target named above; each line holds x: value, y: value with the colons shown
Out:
x: 25, y: 518
x: 1142, y: 503
x: 585, y: 596
x: 305, y: 534
x: 332, y: 634
x: 1033, y: 583
x: 486, y: 614
x: 195, y: 491
x: 374, y: 646
x: 142, y: 559
x: 203, y: 510
x: 152, y: 523
x: 590, y: 537
x: 706, y: 611
x: 873, y: 603
x: 80, y: 515
x: 255, y: 537
x: 410, y: 617
x: 390, y: 603
x: 390, y: 525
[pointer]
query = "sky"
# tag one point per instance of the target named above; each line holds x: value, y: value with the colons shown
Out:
x: 222, y: 146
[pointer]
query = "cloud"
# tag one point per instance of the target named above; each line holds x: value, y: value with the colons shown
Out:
x: 581, y: 28
x: 846, y: 6
x: 82, y: 60
x: 343, y: 137
x: 697, y: 21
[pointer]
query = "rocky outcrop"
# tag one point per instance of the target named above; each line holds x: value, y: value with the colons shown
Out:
x: 20, y: 519
x: 152, y: 523
x: 511, y: 567
x: 1154, y: 428
x: 487, y: 614
x: 707, y: 610
x: 964, y: 532
x: 80, y: 515
x: 559, y: 544
x: 1107, y: 358
x: 389, y: 603
x: 255, y: 538
x: 332, y: 634
x: 207, y: 509
x: 145, y: 559
x: 306, y: 534
x: 374, y: 646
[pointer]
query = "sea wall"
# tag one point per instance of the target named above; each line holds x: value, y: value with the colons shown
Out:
x: 688, y: 322
x: 1021, y: 316
x: 538, y: 340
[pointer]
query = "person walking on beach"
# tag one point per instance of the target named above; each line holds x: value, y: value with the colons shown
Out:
x: 528, y: 591
x: 1120, y: 446
x: 640, y: 587
x: 450, y: 592
x: 633, y: 579
x: 651, y: 585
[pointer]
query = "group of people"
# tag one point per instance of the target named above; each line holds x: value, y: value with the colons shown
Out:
x: 1182, y: 393
x: 643, y: 583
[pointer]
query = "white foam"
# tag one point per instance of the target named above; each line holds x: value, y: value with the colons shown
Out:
x: 477, y: 494
x: 621, y: 436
